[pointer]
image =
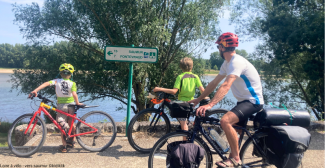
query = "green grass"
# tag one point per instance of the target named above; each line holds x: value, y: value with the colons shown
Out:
x: 4, y: 126
x: 211, y: 71
x: 3, y: 140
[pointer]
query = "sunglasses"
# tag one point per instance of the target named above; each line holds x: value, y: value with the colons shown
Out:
x: 218, y: 46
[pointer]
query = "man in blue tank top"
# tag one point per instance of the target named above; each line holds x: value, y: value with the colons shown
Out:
x: 245, y: 83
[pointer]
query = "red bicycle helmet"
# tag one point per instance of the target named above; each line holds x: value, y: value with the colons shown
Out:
x: 228, y: 40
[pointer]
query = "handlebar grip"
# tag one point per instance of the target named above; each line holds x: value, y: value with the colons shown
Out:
x: 31, y: 95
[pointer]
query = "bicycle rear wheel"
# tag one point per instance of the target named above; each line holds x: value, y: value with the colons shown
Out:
x: 159, y: 156
x: 250, y: 156
x: 24, y: 145
x: 146, y: 128
x: 103, y: 138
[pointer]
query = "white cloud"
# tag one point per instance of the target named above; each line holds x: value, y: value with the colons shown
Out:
x: 40, y: 2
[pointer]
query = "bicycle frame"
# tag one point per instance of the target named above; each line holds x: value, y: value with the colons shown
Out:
x: 199, y: 128
x: 42, y: 108
x: 161, y: 109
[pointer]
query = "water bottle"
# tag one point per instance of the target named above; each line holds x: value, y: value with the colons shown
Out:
x: 64, y: 125
x: 219, y: 140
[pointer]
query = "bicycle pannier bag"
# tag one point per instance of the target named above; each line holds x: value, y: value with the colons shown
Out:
x: 180, y: 110
x: 184, y: 155
x: 286, y: 145
x: 273, y: 116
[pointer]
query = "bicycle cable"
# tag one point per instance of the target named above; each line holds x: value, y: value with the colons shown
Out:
x: 33, y: 100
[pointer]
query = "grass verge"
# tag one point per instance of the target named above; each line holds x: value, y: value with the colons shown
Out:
x: 3, y: 139
x: 211, y: 71
x: 4, y: 128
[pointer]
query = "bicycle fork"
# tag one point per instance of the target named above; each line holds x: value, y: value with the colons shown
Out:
x: 153, y: 128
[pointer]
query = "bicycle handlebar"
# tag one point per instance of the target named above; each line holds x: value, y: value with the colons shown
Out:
x: 208, y: 120
x: 163, y: 95
x: 40, y: 97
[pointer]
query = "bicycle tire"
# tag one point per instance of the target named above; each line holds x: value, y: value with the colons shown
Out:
x: 159, y: 156
x: 246, y: 153
x: 138, y: 134
x: 17, y: 144
x: 106, y: 131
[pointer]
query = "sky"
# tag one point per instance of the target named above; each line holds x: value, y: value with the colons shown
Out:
x: 9, y: 32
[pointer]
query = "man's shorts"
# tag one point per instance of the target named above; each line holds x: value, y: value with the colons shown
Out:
x: 65, y: 108
x: 244, y: 110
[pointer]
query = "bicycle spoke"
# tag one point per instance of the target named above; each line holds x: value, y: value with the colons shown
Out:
x: 146, y: 129
x: 101, y: 139
x: 25, y: 142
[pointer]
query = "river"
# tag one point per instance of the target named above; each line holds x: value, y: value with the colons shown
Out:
x: 12, y: 104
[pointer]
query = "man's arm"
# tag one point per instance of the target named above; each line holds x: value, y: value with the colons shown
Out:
x: 211, y: 86
x: 169, y: 91
x: 219, y: 95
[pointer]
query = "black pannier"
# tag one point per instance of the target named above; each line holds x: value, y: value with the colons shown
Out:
x: 286, y: 145
x: 273, y: 116
x: 180, y: 110
x: 184, y: 155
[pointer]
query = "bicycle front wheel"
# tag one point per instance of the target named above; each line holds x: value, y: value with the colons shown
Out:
x: 25, y: 144
x: 160, y: 157
x: 103, y: 138
x: 250, y: 156
x: 146, y: 128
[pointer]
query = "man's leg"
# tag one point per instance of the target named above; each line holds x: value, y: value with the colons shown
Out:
x: 227, y: 121
x: 184, y: 127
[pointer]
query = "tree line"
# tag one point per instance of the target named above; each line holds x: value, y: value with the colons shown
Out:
x: 12, y: 56
x: 291, y: 55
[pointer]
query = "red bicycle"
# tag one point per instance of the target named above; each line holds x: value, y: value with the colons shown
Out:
x: 95, y: 131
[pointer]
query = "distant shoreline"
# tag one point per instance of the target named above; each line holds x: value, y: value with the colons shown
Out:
x: 11, y: 71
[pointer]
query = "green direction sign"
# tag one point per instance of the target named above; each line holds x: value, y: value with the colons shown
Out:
x: 131, y: 54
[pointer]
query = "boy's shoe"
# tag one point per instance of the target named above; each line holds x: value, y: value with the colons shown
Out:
x: 63, y: 149
x: 70, y: 144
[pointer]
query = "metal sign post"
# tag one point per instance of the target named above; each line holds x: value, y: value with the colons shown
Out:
x: 130, y: 54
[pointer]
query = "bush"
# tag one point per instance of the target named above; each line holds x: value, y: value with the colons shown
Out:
x: 4, y: 126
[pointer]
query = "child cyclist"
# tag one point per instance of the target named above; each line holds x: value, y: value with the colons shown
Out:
x: 186, y: 84
x: 66, y: 92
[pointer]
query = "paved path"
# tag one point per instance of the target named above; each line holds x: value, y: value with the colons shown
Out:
x: 120, y: 154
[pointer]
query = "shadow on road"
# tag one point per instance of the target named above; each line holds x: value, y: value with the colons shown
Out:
x: 317, y: 140
x: 45, y: 149
x: 114, y: 151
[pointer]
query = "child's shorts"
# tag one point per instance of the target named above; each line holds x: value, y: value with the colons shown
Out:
x: 65, y: 108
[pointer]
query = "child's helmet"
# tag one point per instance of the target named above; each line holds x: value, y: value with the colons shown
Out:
x: 66, y: 67
x: 228, y: 40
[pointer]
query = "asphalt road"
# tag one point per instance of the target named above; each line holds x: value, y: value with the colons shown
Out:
x: 121, y: 155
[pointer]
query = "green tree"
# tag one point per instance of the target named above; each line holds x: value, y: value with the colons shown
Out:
x: 12, y: 56
x: 216, y: 59
x: 243, y: 53
x: 171, y: 26
x: 292, y: 31
x: 215, y: 67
